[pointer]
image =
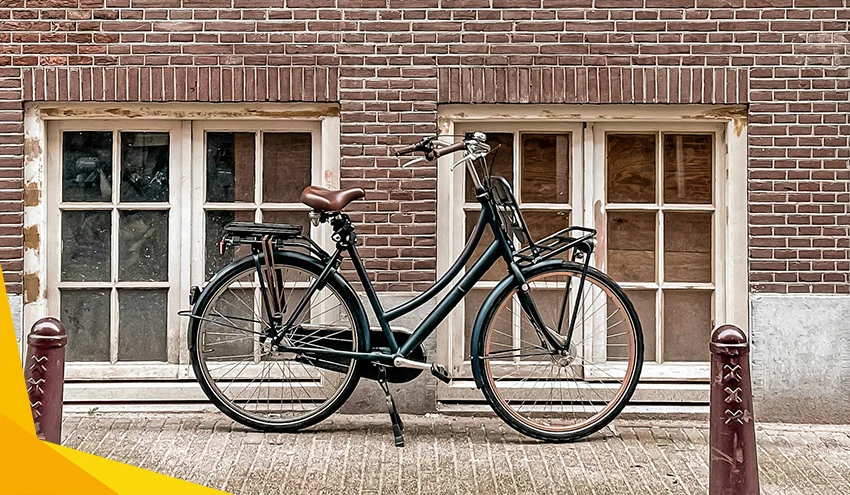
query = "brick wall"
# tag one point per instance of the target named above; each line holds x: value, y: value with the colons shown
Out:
x: 389, y: 63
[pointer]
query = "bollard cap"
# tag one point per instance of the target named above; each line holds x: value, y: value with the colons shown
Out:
x: 48, y: 332
x: 729, y: 339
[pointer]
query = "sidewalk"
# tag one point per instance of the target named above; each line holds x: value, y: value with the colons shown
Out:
x: 448, y: 454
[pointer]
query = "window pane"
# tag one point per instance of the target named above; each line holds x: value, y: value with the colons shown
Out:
x: 215, y: 222
x: 687, y: 168
x: 143, y: 245
x: 548, y: 304
x: 87, y: 166
x: 644, y: 303
x: 687, y: 247
x: 631, y: 246
x: 502, y: 338
x: 86, y: 245
x: 687, y: 324
x: 225, y: 343
x: 631, y: 168
x: 85, y: 314
x: 500, y: 161
x: 144, y: 166
x: 542, y: 223
x: 230, y: 167
x: 499, y: 270
x: 544, y: 170
x: 289, y: 217
x: 286, y: 165
x: 142, y: 327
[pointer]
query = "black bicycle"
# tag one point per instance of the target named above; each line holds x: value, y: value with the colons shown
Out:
x: 279, y: 339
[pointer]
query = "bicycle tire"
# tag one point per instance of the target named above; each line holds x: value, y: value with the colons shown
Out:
x: 507, y: 408
x: 199, y: 322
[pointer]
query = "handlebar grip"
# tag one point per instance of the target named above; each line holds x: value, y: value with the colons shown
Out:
x: 449, y: 149
x: 406, y: 149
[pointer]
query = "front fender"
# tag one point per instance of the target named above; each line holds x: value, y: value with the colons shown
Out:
x: 489, y: 306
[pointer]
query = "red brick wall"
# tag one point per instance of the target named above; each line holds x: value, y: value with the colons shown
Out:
x: 787, y: 59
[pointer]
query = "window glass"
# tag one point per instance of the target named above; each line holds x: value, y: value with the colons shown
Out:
x: 142, y: 325
x: 631, y: 246
x: 143, y: 245
x: 215, y: 222
x: 86, y: 316
x: 144, y: 166
x: 286, y: 165
x: 87, y: 166
x: 687, y: 247
x: 631, y: 168
x: 687, y: 168
x: 500, y: 161
x: 230, y: 167
x: 687, y: 324
x: 86, y: 245
x: 544, y: 169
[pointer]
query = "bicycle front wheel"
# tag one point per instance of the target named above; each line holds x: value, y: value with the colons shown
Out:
x: 566, y: 395
x: 240, y: 370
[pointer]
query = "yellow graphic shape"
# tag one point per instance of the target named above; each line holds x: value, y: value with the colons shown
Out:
x: 32, y: 466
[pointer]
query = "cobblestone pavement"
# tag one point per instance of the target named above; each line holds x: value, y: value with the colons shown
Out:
x: 449, y: 454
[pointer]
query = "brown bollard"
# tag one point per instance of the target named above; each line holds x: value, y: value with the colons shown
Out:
x: 733, y: 466
x: 44, y: 371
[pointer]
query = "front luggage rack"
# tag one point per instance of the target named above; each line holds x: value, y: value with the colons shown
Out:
x: 580, y: 239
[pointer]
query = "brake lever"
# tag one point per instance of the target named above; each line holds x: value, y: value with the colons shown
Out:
x: 415, y: 160
x: 464, y: 159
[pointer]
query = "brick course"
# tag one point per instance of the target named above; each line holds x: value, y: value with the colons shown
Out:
x: 389, y: 63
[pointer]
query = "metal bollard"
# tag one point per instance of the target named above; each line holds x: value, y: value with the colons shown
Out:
x: 45, y: 375
x: 733, y: 466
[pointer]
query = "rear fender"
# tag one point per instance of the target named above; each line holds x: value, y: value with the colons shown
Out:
x: 361, y: 322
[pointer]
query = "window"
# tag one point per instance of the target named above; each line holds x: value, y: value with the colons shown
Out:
x: 132, y: 204
x: 115, y: 225
x: 537, y: 161
x: 245, y: 180
x: 659, y: 204
x: 655, y: 188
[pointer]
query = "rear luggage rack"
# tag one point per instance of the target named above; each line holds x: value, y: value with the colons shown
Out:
x: 279, y: 235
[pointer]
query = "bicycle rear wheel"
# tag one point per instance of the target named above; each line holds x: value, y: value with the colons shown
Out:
x: 234, y: 360
x: 561, y: 396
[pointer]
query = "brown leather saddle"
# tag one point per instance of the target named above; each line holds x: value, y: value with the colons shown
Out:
x: 322, y: 199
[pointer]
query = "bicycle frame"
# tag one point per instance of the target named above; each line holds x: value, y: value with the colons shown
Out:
x: 500, y: 247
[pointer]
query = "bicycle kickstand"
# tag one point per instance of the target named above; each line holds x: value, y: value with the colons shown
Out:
x: 398, y: 425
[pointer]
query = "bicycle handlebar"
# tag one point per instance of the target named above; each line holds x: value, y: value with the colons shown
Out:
x: 437, y: 153
x: 426, y: 145
x: 406, y: 149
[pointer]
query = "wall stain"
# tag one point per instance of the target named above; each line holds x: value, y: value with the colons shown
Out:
x: 32, y: 149
x: 32, y: 194
x: 599, y: 219
x: 737, y: 114
x: 32, y: 240
x: 31, y: 285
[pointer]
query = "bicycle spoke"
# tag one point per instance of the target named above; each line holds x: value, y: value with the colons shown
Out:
x: 559, y: 393
x: 267, y: 385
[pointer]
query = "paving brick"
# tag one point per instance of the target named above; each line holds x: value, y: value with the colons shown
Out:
x: 451, y: 454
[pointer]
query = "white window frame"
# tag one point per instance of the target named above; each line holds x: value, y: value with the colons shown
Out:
x: 459, y: 352
x: 53, y: 242
x: 730, y: 179
x: 667, y: 370
x: 42, y: 171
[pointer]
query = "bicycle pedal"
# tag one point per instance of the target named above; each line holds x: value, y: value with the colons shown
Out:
x: 441, y: 373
